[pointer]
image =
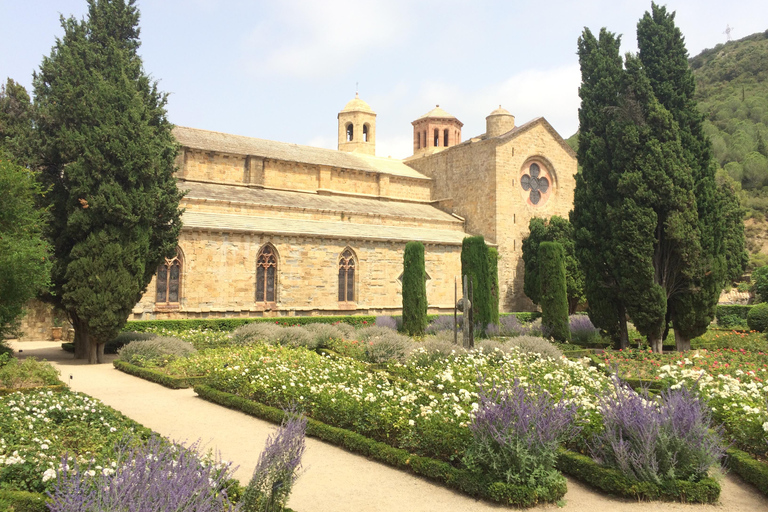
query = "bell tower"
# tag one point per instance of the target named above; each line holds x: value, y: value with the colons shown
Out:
x: 435, y: 131
x: 357, y: 127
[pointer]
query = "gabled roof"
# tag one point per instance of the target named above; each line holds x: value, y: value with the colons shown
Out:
x: 205, y: 140
x: 519, y: 130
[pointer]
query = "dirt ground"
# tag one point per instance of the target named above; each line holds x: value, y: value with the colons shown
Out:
x: 333, y: 480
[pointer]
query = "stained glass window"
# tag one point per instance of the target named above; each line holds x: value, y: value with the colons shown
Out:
x: 347, y: 276
x: 534, y: 183
x: 266, y: 271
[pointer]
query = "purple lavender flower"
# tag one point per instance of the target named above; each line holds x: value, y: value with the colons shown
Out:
x: 386, y: 321
x: 277, y: 468
x: 657, y: 439
x: 510, y: 325
x: 443, y: 323
x: 155, y: 476
x: 516, y: 432
x: 583, y: 333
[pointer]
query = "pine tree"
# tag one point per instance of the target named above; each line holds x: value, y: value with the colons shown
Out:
x: 554, y: 302
x: 414, y: 289
x: 601, y: 71
x: 665, y: 62
x: 107, y: 154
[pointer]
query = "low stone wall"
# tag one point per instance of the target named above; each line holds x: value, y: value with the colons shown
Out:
x: 37, y: 323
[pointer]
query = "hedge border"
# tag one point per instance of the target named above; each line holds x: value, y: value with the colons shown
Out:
x: 749, y: 468
x: 22, y: 501
x: 156, y: 376
x: 739, y: 310
x: 613, y: 482
x: 438, y: 471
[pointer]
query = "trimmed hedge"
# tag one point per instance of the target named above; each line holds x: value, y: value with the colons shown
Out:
x: 757, y: 319
x: 156, y: 376
x: 22, y: 501
x: 614, y: 482
x: 462, y: 480
x: 748, y: 468
x: 230, y: 324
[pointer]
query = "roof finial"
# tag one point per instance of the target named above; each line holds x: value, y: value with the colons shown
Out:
x: 357, y: 89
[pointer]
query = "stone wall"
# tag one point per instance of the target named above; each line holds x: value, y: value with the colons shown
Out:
x: 219, y: 274
x: 37, y: 323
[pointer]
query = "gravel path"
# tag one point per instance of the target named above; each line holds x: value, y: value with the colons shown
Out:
x: 333, y: 480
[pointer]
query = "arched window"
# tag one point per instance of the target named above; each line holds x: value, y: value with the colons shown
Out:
x: 445, y: 137
x: 266, y: 274
x: 347, y: 276
x: 418, y: 138
x: 437, y: 137
x: 350, y: 132
x: 365, y: 133
x: 168, y: 284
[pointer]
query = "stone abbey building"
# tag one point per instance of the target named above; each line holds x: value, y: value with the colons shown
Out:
x: 273, y: 228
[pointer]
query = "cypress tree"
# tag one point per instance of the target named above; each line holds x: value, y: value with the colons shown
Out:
x: 107, y: 156
x: 596, y: 181
x: 474, y: 263
x: 554, y: 301
x: 493, y: 275
x: 556, y: 229
x: 16, y: 115
x: 665, y: 62
x: 414, y: 289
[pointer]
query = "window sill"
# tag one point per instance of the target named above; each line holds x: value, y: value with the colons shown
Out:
x: 347, y: 306
x: 167, y: 307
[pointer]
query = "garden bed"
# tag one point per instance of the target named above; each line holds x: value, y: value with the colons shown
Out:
x: 158, y: 376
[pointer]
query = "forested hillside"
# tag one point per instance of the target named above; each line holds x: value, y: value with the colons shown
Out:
x: 732, y: 92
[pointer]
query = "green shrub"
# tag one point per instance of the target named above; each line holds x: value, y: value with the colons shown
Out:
x: 155, y: 352
x: 731, y: 321
x: 414, y: 289
x: 758, y: 317
x: 535, y: 345
x: 230, y: 324
x: 256, y: 332
x: 22, y: 501
x: 474, y: 264
x: 554, y: 297
x: 5, y: 350
x: 383, y: 344
x: 760, y: 284
x: 124, y: 338
x: 296, y: 336
x: 435, y: 347
x: 326, y: 334
x: 30, y: 372
x: 739, y: 310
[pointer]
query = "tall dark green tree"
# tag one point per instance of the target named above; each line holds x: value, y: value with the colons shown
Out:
x: 554, y: 300
x: 664, y: 59
x: 414, y: 289
x: 596, y: 182
x: 555, y: 229
x: 107, y: 154
x: 16, y: 122
x: 474, y: 264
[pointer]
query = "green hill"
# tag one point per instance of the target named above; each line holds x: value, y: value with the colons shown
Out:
x: 732, y: 91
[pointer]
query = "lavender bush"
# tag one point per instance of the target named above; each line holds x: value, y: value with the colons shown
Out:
x: 156, y: 476
x: 516, y: 432
x: 443, y: 323
x: 583, y: 333
x: 386, y: 321
x: 510, y: 326
x: 657, y: 439
x: 277, y: 468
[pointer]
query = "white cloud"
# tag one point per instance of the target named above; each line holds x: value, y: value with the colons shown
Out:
x: 307, y: 38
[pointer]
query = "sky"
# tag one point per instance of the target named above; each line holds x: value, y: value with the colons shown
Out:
x: 283, y: 69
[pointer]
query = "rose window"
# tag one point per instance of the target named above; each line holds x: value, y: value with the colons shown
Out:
x: 534, y: 183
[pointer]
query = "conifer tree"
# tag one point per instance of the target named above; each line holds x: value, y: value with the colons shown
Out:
x: 474, y: 264
x: 107, y: 154
x: 16, y: 123
x: 665, y: 62
x: 601, y: 71
x: 414, y: 289
x: 554, y: 302
x: 555, y: 229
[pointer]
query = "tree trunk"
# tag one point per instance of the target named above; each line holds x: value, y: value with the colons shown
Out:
x: 100, y: 353
x: 81, y: 338
x: 682, y: 343
x: 655, y: 342
x: 623, y: 331
x: 92, y: 352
